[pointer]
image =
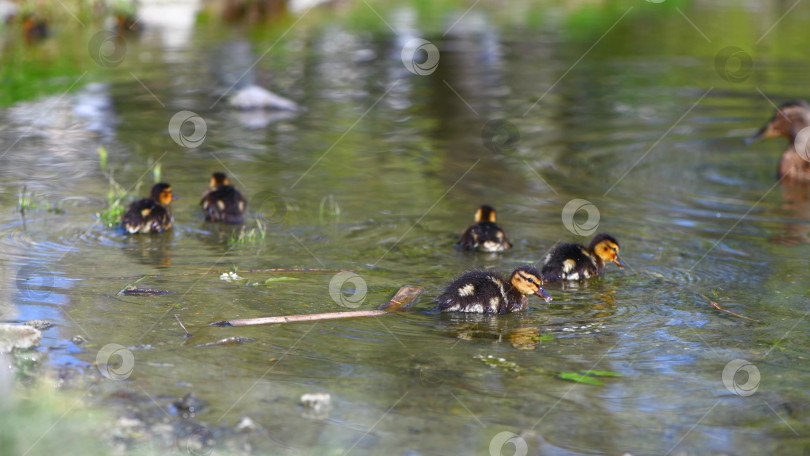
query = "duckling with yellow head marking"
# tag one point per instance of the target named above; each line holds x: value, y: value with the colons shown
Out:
x: 484, y: 234
x: 222, y: 202
x: 150, y: 215
x: 570, y: 261
x: 488, y: 292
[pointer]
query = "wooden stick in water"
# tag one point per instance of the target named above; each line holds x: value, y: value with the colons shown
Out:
x: 717, y: 306
x: 401, y: 300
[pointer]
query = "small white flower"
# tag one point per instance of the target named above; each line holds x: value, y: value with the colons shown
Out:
x: 229, y: 277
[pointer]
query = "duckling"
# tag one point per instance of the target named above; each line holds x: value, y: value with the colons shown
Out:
x: 788, y: 120
x: 150, y: 215
x: 34, y: 28
x: 127, y: 24
x: 487, y: 292
x: 569, y: 261
x: 222, y: 202
x: 484, y: 235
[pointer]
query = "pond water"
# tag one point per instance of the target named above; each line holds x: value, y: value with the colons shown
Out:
x: 624, y: 107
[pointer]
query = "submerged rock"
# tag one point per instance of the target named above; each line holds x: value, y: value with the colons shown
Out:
x: 41, y: 325
x: 188, y: 406
x: 318, y: 405
x: 255, y: 97
x: 18, y: 336
x: 246, y: 424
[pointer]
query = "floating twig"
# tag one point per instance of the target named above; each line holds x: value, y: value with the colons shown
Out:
x: 131, y: 285
x: 227, y: 342
x: 718, y: 307
x: 293, y: 270
x: 188, y: 334
x: 401, y: 300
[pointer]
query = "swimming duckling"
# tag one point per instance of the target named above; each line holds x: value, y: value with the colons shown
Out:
x: 484, y: 235
x: 569, y: 261
x: 487, y: 292
x: 788, y: 121
x: 34, y: 28
x: 222, y: 202
x: 150, y: 215
x: 127, y: 24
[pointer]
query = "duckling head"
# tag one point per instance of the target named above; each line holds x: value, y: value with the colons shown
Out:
x: 606, y: 248
x: 218, y: 179
x: 527, y: 280
x: 485, y: 214
x: 787, y: 121
x: 162, y: 193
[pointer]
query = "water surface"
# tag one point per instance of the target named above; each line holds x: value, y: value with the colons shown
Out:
x: 624, y: 108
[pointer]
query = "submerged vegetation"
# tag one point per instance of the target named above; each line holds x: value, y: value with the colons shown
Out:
x: 249, y: 236
x: 31, y: 202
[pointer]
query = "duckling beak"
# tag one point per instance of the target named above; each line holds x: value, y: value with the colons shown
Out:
x: 541, y: 292
x: 618, y: 261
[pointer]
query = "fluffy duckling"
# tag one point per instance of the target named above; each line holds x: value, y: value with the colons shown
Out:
x: 150, y: 215
x: 127, y: 24
x: 487, y: 292
x: 34, y: 28
x: 222, y: 202
x: 788, y: 121
x: 569, y: 261
x: 484, y: 235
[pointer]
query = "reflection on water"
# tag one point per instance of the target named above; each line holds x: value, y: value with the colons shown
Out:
x: 378, y: 175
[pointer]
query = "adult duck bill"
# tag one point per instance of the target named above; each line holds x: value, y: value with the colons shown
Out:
x: 761, y: 133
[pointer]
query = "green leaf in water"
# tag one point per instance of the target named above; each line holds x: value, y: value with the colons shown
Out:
x: 156, y: 172
x: 280, y: 279
x: 543, y: 337
x: 102, y: 158
x: 598, y: 373
x: 579, y: 378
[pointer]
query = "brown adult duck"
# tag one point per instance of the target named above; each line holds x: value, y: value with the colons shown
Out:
x: 788, y: 120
